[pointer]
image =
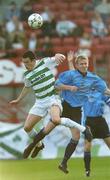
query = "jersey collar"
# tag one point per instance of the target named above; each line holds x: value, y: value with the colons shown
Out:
x: 83, y: 74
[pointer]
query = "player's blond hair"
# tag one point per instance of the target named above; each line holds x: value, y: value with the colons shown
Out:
x: 80, y: 57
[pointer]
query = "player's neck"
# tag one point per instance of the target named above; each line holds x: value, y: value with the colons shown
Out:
x: 82, y: 73
x: 34, y: 65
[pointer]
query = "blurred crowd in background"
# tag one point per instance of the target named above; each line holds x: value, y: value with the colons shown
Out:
x: 80, y: 24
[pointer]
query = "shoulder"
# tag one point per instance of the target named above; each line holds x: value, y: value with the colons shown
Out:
x: 40, y: 63
x: 92, y: 74
x: 97, y: 79
x: 45, y: 59
x: 26, y: 72
x: 68, y: 72
x: 48, y: 61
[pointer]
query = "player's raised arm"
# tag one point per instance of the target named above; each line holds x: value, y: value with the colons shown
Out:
x: 70, y: 58
x: 23, y: 93
x: 54, y: 61
x: 59, y: 85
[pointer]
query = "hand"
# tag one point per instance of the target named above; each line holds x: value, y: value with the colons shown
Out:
x: 70, y: 56
x: 14, y: 102
x: 59, y: 58
x: 73, y: 88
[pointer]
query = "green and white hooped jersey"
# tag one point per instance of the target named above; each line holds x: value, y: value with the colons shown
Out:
x: 41, y: 78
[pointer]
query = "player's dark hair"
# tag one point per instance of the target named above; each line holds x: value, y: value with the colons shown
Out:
x: 29, y: 54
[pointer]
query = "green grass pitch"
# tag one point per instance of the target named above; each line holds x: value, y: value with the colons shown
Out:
x: 48, y: 169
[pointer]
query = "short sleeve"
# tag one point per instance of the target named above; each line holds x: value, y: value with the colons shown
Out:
x: 65, y: 77
x: 50, y: 62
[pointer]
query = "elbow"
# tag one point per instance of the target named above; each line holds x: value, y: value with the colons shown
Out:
x: 57, y: 84
x: 57, y: 88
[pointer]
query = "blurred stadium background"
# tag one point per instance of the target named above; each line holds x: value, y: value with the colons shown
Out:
x: 89, y: 33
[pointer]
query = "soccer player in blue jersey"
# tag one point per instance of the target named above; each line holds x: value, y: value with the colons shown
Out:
x: 93, y: 111
x: 74, y: 101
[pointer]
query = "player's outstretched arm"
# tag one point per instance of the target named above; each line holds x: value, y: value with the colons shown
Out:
x: 62, y: 87
x: 64, y: 82
x: 23, y: 93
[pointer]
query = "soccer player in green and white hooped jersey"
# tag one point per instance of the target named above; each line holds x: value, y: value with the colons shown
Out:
x: 39, y: 77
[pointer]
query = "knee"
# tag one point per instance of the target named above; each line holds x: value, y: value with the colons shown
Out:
x: 87, y: 146
x: 87, y: 149
x: 27, y: 128
x: 76, y: 135
x: 56, y: 121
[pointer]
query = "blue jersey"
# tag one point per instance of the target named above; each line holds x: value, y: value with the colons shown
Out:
x: 94, y: 106
x: 84, y: 83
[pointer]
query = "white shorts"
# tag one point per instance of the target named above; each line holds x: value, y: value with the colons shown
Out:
x: 42, y: 106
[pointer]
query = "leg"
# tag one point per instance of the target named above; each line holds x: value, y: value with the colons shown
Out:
x: 37, y: 149
x: 70, y: 149
x: 55, y: 116
x: 56, y: 120
x: 46, y: 130
x: 28, y: 127
x: 30, y: 122
x: 87, y: 157
x: 107, y: 141
x: 73, y: 113
x: 40, y: 136
x: 72, y: 124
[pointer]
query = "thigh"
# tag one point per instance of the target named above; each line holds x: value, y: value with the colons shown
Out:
x: 31, y: 121
x: 55, y: 113
x: 54, y: 102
